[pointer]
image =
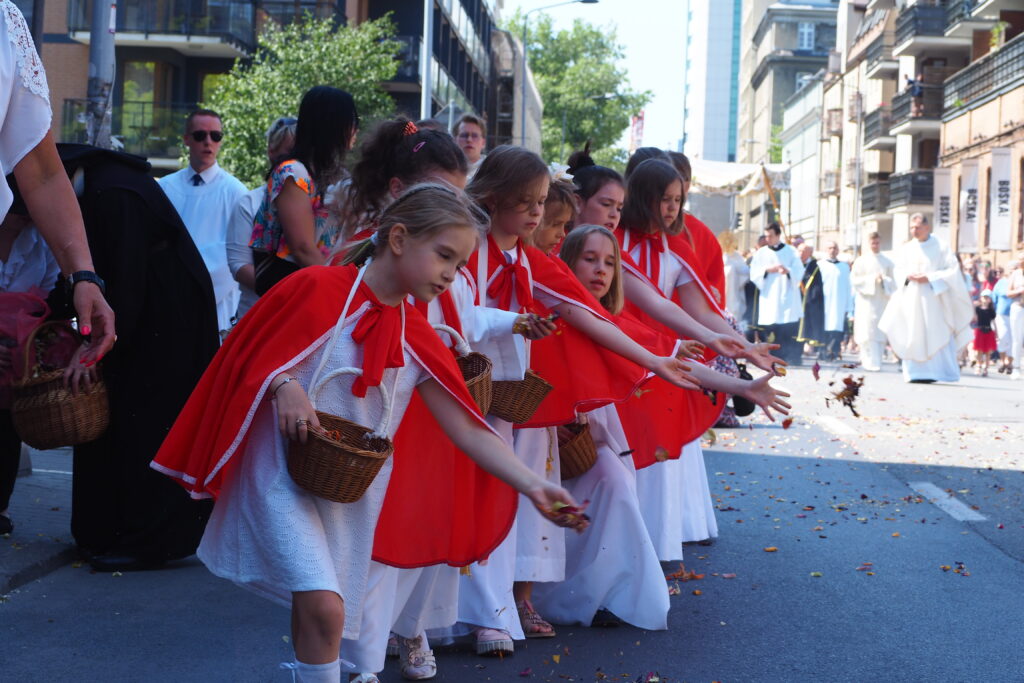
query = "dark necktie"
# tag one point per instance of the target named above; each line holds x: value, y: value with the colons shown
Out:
x: 197, y: 180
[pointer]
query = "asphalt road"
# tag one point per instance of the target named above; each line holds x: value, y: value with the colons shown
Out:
x: 868, y: 580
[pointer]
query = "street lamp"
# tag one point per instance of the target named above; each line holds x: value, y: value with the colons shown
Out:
x: 526, y: 50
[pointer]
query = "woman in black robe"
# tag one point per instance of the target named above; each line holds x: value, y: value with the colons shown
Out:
x: 126, y: 515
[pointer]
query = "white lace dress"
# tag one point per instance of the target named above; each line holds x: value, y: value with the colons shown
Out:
x: 24, y: 96
x: 268, y: 535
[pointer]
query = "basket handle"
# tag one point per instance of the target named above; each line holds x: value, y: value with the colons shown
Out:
x: 385, y: 396
x: 30, y: 342
x: 461, y: 346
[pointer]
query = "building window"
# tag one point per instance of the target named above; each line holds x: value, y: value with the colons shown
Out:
x: 805, y: 36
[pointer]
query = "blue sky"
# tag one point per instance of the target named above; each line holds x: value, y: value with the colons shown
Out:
x: 653, y: 34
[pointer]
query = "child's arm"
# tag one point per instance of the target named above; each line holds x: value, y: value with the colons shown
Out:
x: 492, y: 454
x: 759, y: 390
x: 692, y: 299
x: 679, y: 321
x: 670, y: 369
x: 295, y: 414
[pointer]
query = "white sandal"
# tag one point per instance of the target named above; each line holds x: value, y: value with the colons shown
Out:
x: 418, y: 662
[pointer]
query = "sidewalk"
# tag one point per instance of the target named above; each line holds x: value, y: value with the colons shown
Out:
x: 41, y: 512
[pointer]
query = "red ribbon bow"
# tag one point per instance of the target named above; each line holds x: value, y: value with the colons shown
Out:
x: 379, y: 332
x: 509, y: 278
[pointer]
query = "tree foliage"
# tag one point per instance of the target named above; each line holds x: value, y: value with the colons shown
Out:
x: 288, y: 61
x: 580, y: 83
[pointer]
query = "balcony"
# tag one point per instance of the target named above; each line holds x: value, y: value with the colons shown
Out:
x: 910, y: 189
x: 924, y: 118
x: 876, y: 130
x: 874, y: 200
x: 219, y: 28
x: 997, y: 72
x: 879, y: 60
x: 961, y: 22
x: 409, y: 58
x: 151, y: 130
x: 922, y: 28
x: 854, y: 107
x: 829, y: 184
x: 832, y: 124
x: 854, y: 172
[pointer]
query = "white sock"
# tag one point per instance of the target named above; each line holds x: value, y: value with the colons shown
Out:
x: 314, y: 673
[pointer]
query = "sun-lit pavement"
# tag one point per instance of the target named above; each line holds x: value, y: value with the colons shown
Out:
x: 831, y: 565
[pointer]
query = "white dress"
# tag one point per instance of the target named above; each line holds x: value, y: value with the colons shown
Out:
x: 24, y: 97
x: 540, y: 548
x: 613, y: 564
x: 272, y: 537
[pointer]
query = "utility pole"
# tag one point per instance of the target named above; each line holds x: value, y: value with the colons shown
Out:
x: 101, y: 71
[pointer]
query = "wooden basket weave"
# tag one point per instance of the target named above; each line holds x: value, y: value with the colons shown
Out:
x: 46, y: 415
x: 516, y: 401
x: 340, y: 470
x: 475, y: 367
x: 576, y: 454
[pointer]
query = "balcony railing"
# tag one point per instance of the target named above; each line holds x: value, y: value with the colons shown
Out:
x: 231, y: 20
x: 879, y: 51
x: 833, y: 122
x: 910, y: 188
x: 874, y: 198
x: 854, y: 106
x: 983, y: 76
x: 409, y: 58
x: 829, y: 183
x: 930, y: 107
x: 876, y: 124
x: 854, y: 172
x: 285, y: 12
x: 144, y: 128
x: 959, y: 10
x: 920, y: 20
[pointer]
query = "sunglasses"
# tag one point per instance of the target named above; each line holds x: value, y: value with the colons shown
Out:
x: 200, y: 135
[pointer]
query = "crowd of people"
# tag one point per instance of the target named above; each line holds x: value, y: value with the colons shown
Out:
x: 822, y: 305
x: 250, y: 321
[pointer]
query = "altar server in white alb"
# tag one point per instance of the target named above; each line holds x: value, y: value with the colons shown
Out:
x: 929, y: 317
x: 205, y: 196
x: 835, y: 283
x: 776, y: 270
x: 873, y: 285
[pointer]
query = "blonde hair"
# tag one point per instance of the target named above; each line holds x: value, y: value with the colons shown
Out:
x: 572, y: 250
x: 728, y: 241
x: 425, y: 209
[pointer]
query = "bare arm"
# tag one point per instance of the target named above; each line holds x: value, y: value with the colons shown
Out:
x: 51, y: 202
x: 296, y: 216
x: 612, y: 338
x: 675, y: 318
x: 246, y: 275
x: 492, y: 454
x: 759, y: 391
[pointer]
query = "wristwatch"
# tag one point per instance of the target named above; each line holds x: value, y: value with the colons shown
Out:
x: 85, y: 276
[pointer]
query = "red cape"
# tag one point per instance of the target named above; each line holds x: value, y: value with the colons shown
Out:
x: 285, y: 326
x: 662, y: 418
x: 584, y: 375
x: 709, y: 255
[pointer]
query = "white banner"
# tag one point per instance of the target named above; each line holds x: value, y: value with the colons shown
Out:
x: 967, y: 239
x: 943, y: 192
x: 999, y: 224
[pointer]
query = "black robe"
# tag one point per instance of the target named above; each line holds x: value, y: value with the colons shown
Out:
x: 812, y: 322
x: 166, y: 323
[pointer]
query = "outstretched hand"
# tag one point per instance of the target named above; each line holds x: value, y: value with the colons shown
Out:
x: 727, y: 346
x: 677, y: 372
x: 760, y: 355
x: 690, y: 349
x: 558, y: 506
x: 768, y: 397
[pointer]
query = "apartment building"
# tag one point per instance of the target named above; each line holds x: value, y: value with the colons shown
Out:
x: 979, y: 195
x: 783, y: 45
x: 801, y: 133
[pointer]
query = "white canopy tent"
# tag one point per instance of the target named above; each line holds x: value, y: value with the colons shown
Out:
x: 724, y: 178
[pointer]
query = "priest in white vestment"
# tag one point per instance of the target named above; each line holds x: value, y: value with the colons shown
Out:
x: 928, y: 318
x: 873, y: 284
x: 776, y: 270
x: 835, y: 281
x: 737, y: 275
x: 205, y: 196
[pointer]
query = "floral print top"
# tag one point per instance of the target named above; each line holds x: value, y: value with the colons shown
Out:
x: 267, y: 231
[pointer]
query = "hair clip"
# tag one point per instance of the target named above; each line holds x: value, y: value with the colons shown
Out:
x: 559, y: 172
x: 418, y: 146
x: 410, y: 128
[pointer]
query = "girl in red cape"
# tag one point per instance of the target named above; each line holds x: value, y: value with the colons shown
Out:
x: 511, y: 186
x: 348, y: 340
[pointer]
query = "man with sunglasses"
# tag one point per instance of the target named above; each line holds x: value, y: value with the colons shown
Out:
x: 205, y: 196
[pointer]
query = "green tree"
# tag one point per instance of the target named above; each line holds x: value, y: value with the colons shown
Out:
x: 580, y: 84
x: 288, y: 61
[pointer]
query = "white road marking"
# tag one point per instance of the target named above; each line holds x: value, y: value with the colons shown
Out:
x: 36, y: 469
x: 946, y: 502
x: 835, y: 425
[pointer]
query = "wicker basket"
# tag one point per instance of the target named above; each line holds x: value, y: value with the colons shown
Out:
x: 577, y: 454
x: 340, y: 470
x: 46, y: 415
x: 475, y: 367
x: 516, y: 401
